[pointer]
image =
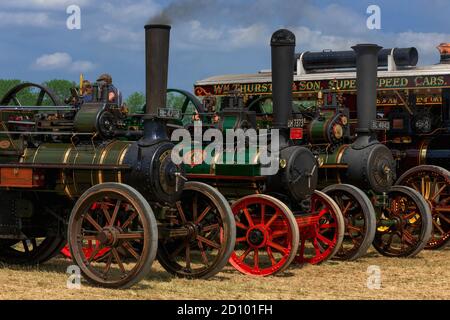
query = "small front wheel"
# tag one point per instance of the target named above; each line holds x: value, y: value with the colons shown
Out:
x: 201, y: 234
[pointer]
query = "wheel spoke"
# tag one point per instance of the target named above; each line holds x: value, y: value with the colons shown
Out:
x: 271, y: 257
x: 245, y: 254
x: 131, y: 235
x: 208, y: 242
x: 324, y: 240
x: 437, y: 226
x: 106, y: 213
x: 203, y: 214
x: 210, y: 227
x: 203, y: 253
x: 248, y: 217
x: 438, y: 193
x: 279, y: 233
x: 130, y: 249
x: 181, y: 212
x: 194, y: 207
x: 241, y: 225
x: 93, y: 222
x: 116, y: 211
x: 272, y: 219
x: 118, y: 260
x: 107, y: 266
x: 277, y: 247
x: 256, y: 259
x: 40, y: 98
x: 241, y: 239
x: 129, y: 220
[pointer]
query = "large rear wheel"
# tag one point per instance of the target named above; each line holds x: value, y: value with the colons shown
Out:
x: 117, y: 218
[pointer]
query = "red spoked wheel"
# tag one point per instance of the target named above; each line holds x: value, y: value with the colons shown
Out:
x: 433, y: 183
x: 88, y: 249
x: 267, y: 236
x: 90, y: 246
x: 322, y: 231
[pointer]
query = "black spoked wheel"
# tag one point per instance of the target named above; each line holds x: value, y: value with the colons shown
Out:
x: 405, y: 223
x: 360, y: 220
x: 30, y: 251
x: 433, y: 183
x: 42, y: 95
x: 208, y: 234
x: 116, y: 219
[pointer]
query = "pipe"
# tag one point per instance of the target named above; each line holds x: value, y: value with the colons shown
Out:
x: 157, y: 39
x: 347, y: 59
x: 366, y: 84
x: 283, y: 50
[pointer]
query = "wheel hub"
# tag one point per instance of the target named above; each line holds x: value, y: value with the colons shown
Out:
x: 256, y: 237
x: 108, y: 236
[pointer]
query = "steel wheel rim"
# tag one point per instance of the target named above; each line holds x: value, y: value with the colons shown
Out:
x: 263, y: 227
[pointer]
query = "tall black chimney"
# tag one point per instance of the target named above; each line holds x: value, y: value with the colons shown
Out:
x: 366, y: 84
x: 283, y: 52
x: 157, y: 39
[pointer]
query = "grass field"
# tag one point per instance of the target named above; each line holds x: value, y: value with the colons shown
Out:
x: 423, y: 277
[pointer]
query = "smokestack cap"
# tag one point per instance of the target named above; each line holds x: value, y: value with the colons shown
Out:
x: 157, y: 26
x: 366, y: 47
x: 282, y: 37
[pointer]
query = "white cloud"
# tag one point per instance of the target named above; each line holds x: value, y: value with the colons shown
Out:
x: 33, y: 19
x: 62, y: 61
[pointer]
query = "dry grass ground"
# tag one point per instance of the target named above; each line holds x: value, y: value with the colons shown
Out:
x: 423, y: 277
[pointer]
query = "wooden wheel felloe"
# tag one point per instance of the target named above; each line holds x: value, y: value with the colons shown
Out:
x: 117, y: 218
x: 322, y: 231
x: 30, y: 251
x: 201, y: 233
x: 267, y: 236
x: 360, y: 220
x: 405, y: 223
x: 433, y: 183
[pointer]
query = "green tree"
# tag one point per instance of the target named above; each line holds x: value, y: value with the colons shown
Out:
x: 61, y: 88
x: 135, y: 102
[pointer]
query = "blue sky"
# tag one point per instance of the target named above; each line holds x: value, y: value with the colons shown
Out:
x: 209, y: 37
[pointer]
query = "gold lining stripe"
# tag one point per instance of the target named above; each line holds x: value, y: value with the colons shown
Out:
x: 122, y: 156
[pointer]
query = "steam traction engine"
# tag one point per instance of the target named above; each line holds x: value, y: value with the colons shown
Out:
x: 65, y: 168
x: 279, y: 217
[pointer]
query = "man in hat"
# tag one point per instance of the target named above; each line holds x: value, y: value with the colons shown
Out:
x: 114, y: 95
x: 87, y: 94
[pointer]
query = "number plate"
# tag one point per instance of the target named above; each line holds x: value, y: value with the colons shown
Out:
x: 296, y: 123
x: 167, y: 113
x: 380, y: 125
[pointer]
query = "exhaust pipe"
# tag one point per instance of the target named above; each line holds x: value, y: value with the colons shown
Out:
x: 157, y: 37
x: 283, y: 51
